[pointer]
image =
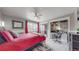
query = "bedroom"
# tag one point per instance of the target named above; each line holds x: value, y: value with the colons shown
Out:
x: 36, y: 23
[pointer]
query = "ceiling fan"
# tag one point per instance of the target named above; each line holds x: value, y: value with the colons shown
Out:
x: 36, y: 12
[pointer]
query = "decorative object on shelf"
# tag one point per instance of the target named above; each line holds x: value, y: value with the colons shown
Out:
x: 17, y: 24
x: 59, y: 25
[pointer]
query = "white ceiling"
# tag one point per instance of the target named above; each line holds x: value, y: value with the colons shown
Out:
x: 46, y: 12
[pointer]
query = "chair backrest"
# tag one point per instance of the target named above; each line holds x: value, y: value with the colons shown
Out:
x: 64, y: 38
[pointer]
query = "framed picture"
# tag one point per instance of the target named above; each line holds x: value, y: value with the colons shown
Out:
x: 17, y: 24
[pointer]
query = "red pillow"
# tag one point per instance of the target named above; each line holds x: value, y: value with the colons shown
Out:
x: 13, y: 34
x: 7, y: 35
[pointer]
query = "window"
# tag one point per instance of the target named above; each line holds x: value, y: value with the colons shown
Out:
x: 41, y: 28
x: 32, y: 27
x: 2, y: 24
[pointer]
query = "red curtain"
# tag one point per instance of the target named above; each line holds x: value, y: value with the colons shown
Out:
x: 26, y: 26
x: 38, y: 27
x: 44, y: 28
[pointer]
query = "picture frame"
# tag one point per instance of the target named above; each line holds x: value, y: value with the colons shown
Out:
x: 17, y: 24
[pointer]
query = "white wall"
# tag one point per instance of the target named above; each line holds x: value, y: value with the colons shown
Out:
x: 8, y: 23
x: 78, y: 20
x: 72, y: 21
x: 53, y: 45
x: 1, y: 16
x: 1, y: 20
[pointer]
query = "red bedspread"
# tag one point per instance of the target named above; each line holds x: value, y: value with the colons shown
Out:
x: 27, y: 36
x: 23, y: 42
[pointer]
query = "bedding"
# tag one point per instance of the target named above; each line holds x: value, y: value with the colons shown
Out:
x: 25, y: 41
x: 20, y: 45
x: 27, y: 36
x: 13, y: 34
x: 7, y: 35
x: 2, y: 39
x: 25, y: 44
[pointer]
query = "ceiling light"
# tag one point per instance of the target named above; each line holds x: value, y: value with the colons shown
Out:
x: 36, y: 12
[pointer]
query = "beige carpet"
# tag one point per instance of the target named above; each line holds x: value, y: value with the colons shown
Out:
x: 41, y: 48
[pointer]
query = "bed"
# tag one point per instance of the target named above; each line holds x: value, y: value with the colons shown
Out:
x: 21, y: 43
